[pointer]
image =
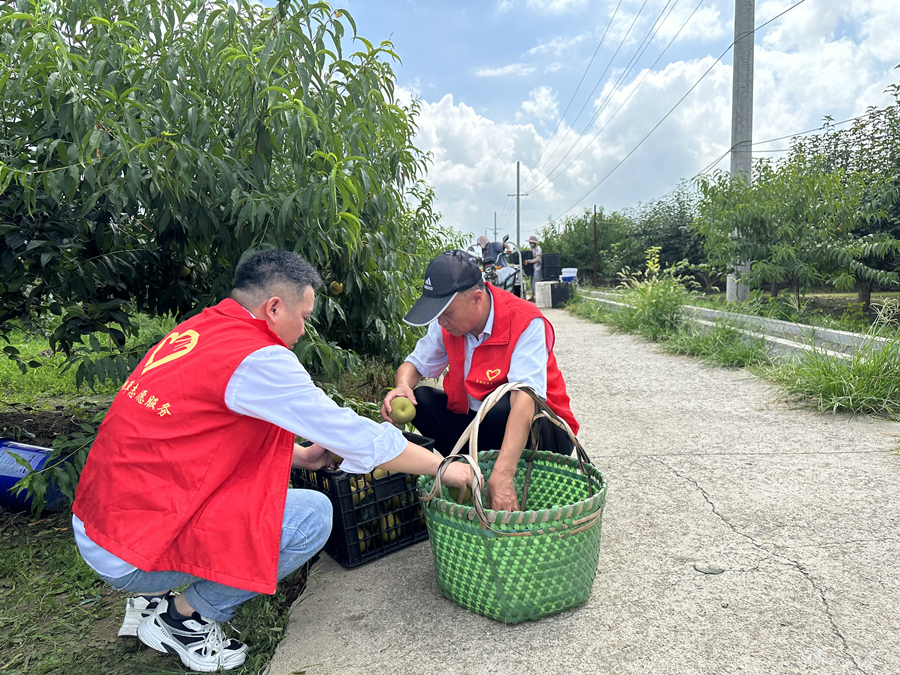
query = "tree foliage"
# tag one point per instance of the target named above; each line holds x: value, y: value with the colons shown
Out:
x: 623, y: 237
x: 826, y: 213
x: 573, y: 239
x: 145, y: 146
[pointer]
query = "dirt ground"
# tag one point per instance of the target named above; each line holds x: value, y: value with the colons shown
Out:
x: 41, y: 425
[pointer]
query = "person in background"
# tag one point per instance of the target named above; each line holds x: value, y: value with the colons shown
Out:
x: 187, y: 480
x: 494, y: 250
x: 536, y: 261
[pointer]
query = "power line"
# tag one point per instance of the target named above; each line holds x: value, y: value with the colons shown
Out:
x: 642, y: 47
x: 549, y: 177
x: 574, y: 93
x: 605, y: 70
x: 505, y: 214
x: 666, y: 116
x: 781, y: 138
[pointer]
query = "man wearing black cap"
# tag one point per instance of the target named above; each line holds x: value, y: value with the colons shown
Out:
x: 486, y: 337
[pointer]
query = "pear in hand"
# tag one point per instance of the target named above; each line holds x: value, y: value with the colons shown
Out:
x: 402, y: 410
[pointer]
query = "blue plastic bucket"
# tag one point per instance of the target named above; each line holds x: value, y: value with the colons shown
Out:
x: 11, y: 472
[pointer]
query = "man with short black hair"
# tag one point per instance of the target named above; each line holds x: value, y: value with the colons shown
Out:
x: 187, y: 481
x: 487, y: 337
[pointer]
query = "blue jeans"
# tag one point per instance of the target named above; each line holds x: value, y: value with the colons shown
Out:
x: 305, y: 529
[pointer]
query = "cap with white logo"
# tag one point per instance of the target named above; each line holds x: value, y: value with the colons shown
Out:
x: 446, y: 276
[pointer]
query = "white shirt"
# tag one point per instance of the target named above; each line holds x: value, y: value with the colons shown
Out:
x: 527, y: 365
x: 537, y: 253
x: 270, y: 384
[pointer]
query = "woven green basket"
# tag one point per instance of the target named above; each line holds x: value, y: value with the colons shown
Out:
x: 521, y: 565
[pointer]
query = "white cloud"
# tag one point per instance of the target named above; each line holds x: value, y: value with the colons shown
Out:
x: 556, y: 46
x: 705, y: 25
x: 822, y: 58
x: 541, y: 103
x: 541, y: 6
x: 513, y: 69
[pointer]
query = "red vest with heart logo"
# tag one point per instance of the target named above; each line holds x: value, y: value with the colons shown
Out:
x: 490, y: 360
x: 177, y: 481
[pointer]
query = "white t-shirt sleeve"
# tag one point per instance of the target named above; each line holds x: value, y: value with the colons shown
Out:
x: 270, y: 384
x: 430, y: 357
x: 528, y: 364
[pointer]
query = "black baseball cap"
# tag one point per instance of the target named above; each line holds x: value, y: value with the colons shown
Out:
x: 446, y: 276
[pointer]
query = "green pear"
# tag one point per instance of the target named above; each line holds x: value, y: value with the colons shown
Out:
x: 466, y: 496
x: 402, y: 410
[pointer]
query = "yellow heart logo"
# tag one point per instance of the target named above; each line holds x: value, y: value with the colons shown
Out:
x: 181, y: 344
x: 491, y: 374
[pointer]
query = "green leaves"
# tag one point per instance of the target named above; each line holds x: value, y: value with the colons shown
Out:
x: 182, y: 134
x: 828, y: 213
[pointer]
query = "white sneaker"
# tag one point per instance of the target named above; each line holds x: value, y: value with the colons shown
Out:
x: 200, y: 643
x: 137, y: 609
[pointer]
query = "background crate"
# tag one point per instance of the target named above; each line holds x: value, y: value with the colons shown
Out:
x: 374, y: 513
x: 550, y: 267
x: 552, y: 293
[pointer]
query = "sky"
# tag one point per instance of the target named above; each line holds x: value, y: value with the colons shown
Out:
x: 570, y: 87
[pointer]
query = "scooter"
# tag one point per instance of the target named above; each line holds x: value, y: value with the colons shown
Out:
x: 500, y: 273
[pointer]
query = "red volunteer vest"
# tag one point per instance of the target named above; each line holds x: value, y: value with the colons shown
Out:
x: 176, y: 480
x: 490, y: 360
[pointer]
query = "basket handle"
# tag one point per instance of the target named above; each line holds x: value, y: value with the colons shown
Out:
x: 470, y: 435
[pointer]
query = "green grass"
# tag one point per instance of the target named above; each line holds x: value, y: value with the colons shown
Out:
x: 868, y: 383
x: 57, y: 617
x: 51, y: 381
x: 595, y: 312
x: 48, y: 381
x: 834, y: 311
x: 721, y: 345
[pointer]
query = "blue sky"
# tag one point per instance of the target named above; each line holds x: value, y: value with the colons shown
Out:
x: 494, y: 78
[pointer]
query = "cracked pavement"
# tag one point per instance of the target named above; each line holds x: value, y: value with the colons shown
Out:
x: 741, y: 535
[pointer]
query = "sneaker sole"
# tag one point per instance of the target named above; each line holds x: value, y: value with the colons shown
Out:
x: 129, y: 627
x: 147, y: 634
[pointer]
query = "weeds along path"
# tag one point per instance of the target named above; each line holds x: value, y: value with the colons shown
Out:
x: 740, y: 536
x: 709, y: 471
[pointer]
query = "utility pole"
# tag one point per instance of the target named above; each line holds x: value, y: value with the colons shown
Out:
x: 595, y: 246
x: 741, y: 120
x: 518, y: 195
x: 495, y: 226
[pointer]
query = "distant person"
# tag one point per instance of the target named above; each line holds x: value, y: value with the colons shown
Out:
x: 187, y: 481
x: 536, y: 255
x: 493, y: 250
x: 486, y: 337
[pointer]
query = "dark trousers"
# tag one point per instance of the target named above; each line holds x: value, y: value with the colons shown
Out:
x: 433, y: 420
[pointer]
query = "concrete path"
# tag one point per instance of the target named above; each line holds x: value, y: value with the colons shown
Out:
x: 706, y: 470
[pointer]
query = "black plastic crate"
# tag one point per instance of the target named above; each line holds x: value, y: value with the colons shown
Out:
x: 374, y: 513
x: 526, y: 256
x: 550, y: 267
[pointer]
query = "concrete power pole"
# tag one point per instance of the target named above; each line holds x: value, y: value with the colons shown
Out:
x: 495, y: 226
x: 741, y: 119
x: 518, y: 195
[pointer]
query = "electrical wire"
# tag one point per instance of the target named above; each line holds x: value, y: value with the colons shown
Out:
x: 781, y: 138
x: 550, y: 177
x: 666, y: 116
x: 580, y: 82
x: 605, y: 70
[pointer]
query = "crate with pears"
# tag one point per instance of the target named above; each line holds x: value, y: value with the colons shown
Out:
x: 375, y: 513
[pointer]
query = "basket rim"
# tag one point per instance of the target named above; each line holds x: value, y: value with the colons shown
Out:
x: 529, y: 517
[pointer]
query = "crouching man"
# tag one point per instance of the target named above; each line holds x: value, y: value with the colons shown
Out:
x: 187, y: 481
x: 487, y: 337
